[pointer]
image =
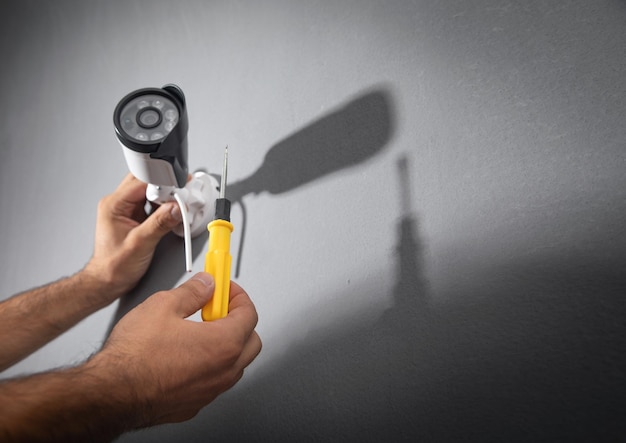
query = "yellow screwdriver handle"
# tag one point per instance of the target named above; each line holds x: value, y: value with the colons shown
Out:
x: 217, y: 263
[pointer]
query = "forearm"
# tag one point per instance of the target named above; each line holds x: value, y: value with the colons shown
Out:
x: 124, y: 245
x: 156, y: 367
x: 85, y: 403
x: 31, y: 319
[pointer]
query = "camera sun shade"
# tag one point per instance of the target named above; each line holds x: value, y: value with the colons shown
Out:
x: 151, y: 124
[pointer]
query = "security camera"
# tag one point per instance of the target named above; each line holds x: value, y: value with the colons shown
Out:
x: 151, y: 125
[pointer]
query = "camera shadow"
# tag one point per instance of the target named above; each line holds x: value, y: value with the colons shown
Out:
x: 347, y: 136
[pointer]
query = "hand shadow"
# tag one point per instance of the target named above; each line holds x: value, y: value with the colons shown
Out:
x: 515, y: 358
x: 347, y: 136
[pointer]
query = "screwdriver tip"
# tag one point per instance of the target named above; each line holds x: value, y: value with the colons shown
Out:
x: 224, y: 173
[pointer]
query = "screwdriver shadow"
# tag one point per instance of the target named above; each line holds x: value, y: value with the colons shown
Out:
x: 349, y: 135
x: 354, y: 383
x: 514, y: 360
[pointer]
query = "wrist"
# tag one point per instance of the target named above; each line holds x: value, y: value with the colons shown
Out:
x: 120, y: 392
x: 82, y: 403
x: 125, y: 392
x: 101, y: 282
x: 56, y: 307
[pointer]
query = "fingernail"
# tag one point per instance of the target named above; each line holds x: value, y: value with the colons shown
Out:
x: 175, y: 213
x: 205, y: 278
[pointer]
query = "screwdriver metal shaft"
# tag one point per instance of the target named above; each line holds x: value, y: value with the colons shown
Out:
x: 224, y: 173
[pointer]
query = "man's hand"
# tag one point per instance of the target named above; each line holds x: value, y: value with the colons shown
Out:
x: 124, y: 246
x: 125, y: 238
x: 174, y: 366
x: 156, y: 367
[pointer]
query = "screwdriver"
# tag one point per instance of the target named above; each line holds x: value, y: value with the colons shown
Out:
x: 218, y: 258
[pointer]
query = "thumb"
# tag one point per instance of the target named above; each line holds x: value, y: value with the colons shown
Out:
x: 193, y: 294
x: 159, y: 223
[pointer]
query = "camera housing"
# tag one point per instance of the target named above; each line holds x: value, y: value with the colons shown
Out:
x: 151, y: 125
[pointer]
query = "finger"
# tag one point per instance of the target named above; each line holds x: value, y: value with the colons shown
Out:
x: 242, y: 316
x: 160, y: 222
x: 131, y: 189
x: 129, y: 197
x: 251, y: 350
x: 239, y: 298
x: 193, y: 294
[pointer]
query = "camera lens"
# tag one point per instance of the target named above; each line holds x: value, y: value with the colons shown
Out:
x: 149, y: 118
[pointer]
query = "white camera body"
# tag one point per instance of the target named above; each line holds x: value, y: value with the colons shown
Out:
x: 151, y: 125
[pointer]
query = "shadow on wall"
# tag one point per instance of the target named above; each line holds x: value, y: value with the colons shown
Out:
x: 347, y: 136
x: 531, y: 350
x: 354, y: 385
x: 531, y: 357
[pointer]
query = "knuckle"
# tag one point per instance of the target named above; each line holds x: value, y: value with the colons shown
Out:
x: 157, y: 300
x: 231, y: 350
x: 258, y: 341
x: 197, y: 290
x: 196, y: 286
x: 255, y: 316
x: 160, y: 222
x: 228, y: 351
x: 104, y: 203
x: 133, y: 243
x: 235, y: 377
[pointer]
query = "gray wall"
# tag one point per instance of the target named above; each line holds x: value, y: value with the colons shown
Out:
x: 431, y: 202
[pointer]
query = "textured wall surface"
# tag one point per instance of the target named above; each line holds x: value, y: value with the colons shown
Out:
x: 430, y: 202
